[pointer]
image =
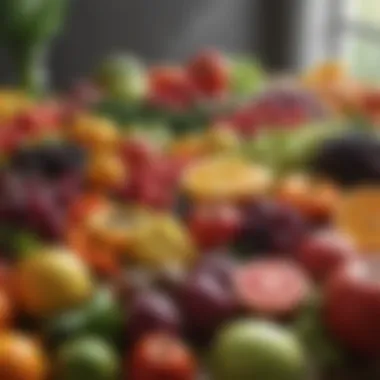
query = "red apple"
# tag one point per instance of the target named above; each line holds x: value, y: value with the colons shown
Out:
x: 324, y: 252
x: 209, y: 71
x: 214, y: 225
x: 352, y: 306
x: 160, y: 356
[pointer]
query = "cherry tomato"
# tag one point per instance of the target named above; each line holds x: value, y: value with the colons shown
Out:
x: 160, y: 356
x: 214, y: 225
x: 171, y: 87
x: 210, y: 73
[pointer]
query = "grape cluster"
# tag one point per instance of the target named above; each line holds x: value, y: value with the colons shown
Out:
x: 270, y: 227
x: 50, y: 161
x: 37, y: 187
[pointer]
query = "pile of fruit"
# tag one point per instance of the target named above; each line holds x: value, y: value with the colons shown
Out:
x: 196, y: 221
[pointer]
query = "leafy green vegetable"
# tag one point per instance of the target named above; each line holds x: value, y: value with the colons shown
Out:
x: 26, y: 28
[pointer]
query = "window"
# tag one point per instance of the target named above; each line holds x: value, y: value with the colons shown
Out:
x: 360, y: 28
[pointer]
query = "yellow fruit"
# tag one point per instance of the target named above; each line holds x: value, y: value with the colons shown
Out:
x: 95, y: 133
x: 21, y: 358
x: 114, y: 227
x: 106, y: 170
x: 161, y: 241
x: 188, y: 146
x: 358, y: 215
x: 52, y: 281
x: 225, y: 179
x: 221, y: 140
x: 12, y: 102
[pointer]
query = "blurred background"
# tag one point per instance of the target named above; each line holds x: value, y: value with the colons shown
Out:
x: 285, y: 35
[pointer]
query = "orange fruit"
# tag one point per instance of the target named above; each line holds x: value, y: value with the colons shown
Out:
x: 225, y: 178
x: 358, y: 215
x: 315, y: 199
x: 21, y: 358
x: 106, y: 170
x: 6, y: 310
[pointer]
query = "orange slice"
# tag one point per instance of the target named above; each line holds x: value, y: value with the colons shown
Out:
x: 225, y: 179
x: 358, y: 215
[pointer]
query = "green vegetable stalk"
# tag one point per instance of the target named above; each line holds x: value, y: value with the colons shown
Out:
x: 27, y: 28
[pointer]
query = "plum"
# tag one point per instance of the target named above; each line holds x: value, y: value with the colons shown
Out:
x: 152, y: 311
x: 350, y: 160
x: 207, y: 298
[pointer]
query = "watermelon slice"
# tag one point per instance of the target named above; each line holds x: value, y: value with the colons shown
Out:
x: 271, y: 287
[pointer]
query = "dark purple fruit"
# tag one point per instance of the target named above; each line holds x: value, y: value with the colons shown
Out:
x: 269, y: 227
x: 207, y: 298
x: 349, y: 160
x: 152, y: 311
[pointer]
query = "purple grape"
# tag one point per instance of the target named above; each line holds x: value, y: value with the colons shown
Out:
x: 152, y: 311
x: 269, y: 227
x: 207, y: 298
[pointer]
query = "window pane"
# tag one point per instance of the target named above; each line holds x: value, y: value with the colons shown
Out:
x: 364, y: 57
x: 367, y: 11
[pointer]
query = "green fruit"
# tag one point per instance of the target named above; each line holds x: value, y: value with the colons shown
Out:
x: 122, y: 77
x: 257, y: 350
x: 87, y: 358
x: 101, y: 317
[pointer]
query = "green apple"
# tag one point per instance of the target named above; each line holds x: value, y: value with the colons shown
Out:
x: 257, y: 350
x: 123, y: 77
x: 87, y: 358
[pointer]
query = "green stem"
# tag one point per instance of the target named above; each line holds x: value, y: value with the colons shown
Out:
x: 32, y: 68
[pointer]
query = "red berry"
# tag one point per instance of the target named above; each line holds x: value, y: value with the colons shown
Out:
x: 214, y: 225
x: 323, y: 253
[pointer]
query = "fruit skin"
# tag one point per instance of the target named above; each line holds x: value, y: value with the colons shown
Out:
x: 161, y: 356
x: 6, y: 309
x: 171, y: 88
x: 350, y: 159
x: 212, y: 226
x: 316, y: 200
x: 122, y: 77
x: 352, y: 306
x: 271, y: 287
x: 210, y: 73
x: 152, y: 311
x: 270, y: 226
x: 207, y: 298
x: 21, y: 358
x: 87, y: 358
x: 101, y: 317
x: 254, y: 349
x: 322, y: 253
x: 52, y: 281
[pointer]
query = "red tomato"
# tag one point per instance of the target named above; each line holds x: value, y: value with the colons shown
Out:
x: 160, y: 356
x: 170, y: 87
x: 214, y: 225
x: 209, y: 72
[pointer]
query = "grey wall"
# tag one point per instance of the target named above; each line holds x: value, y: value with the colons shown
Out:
x: 285, y: 34
x: 155, y: 29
